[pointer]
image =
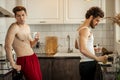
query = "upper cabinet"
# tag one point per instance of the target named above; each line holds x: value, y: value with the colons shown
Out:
x: 117, y: 6
x: 59, y: 11
x: 10, y: 4
x: 74, y: 11
x: 117, y: 27
x: 44, y: 11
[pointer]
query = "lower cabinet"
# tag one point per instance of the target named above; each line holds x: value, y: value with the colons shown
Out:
x: 7, y: 76
x: 65, y: 69
x: 46, y: 68
x: 60, y: 69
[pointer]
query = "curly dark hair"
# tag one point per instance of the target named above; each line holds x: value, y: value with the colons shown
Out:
x: 19, y: 8
x: 95, y: 12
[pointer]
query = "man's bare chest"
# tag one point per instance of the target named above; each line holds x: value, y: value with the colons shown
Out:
x: 23, y: 35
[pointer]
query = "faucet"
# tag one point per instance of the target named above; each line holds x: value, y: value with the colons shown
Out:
x: 68, y: 39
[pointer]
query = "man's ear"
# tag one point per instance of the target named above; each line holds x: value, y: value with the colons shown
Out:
x: 91, y: 17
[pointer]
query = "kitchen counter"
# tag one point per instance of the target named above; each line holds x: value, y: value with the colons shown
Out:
x: 61, y: 66
x: 6, y: 74
x: 5, y: 69
x: 59, y: 55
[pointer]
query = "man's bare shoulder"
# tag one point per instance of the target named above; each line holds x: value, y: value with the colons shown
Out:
x: 13, y: 27
x: 27, y: 26
x: 83, y: 29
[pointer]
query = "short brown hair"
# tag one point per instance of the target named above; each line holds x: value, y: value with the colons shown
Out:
x: 19, y: 8
x: 95, y: 12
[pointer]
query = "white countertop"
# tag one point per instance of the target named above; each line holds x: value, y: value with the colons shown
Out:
x: 63, y: 52
x: 66, y: 54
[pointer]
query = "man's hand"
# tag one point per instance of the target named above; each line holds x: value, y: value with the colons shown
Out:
x: 102, y: 58
x: 37, y: 36
x: 16, y: 67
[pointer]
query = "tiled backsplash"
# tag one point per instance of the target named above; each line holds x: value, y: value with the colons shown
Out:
x: 103, y: 34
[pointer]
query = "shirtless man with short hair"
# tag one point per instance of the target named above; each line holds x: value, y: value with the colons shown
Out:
x: 19, y: 38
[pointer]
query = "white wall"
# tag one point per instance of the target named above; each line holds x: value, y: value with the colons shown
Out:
x: 2, y: 23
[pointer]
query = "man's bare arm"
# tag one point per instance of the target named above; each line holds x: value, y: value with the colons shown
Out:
x: 34, y: 41
x: 83, y: 48
x: 76, y: 44
x: 8, y: 43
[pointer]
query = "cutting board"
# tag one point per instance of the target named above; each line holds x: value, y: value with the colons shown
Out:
x: 51, y: 44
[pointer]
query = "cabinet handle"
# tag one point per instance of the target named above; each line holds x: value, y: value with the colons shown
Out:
x: 42, y: 21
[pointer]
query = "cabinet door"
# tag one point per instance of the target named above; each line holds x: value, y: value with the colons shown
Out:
x: 65, y: 69
x: 74, y: 11
x: 8, y: 76
x: 44, y: 11
x: 117, y: 27
x: 46, y: 68
x: 10, y: 5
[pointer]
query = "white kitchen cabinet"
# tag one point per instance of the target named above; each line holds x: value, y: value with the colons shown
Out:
x: 44, y: 11
x: 117, y: 28
x: 10, y: 4
x: 59, y: 11
x: 2, y: 24
x: 74, y: 11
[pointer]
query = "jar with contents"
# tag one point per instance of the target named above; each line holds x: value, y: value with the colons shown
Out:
x: 98, y: 50
x: 42, y: 48
x: 0, y: 48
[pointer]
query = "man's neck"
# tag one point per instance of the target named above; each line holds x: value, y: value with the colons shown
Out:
x: 22, y: 24
x: 86, y: 22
